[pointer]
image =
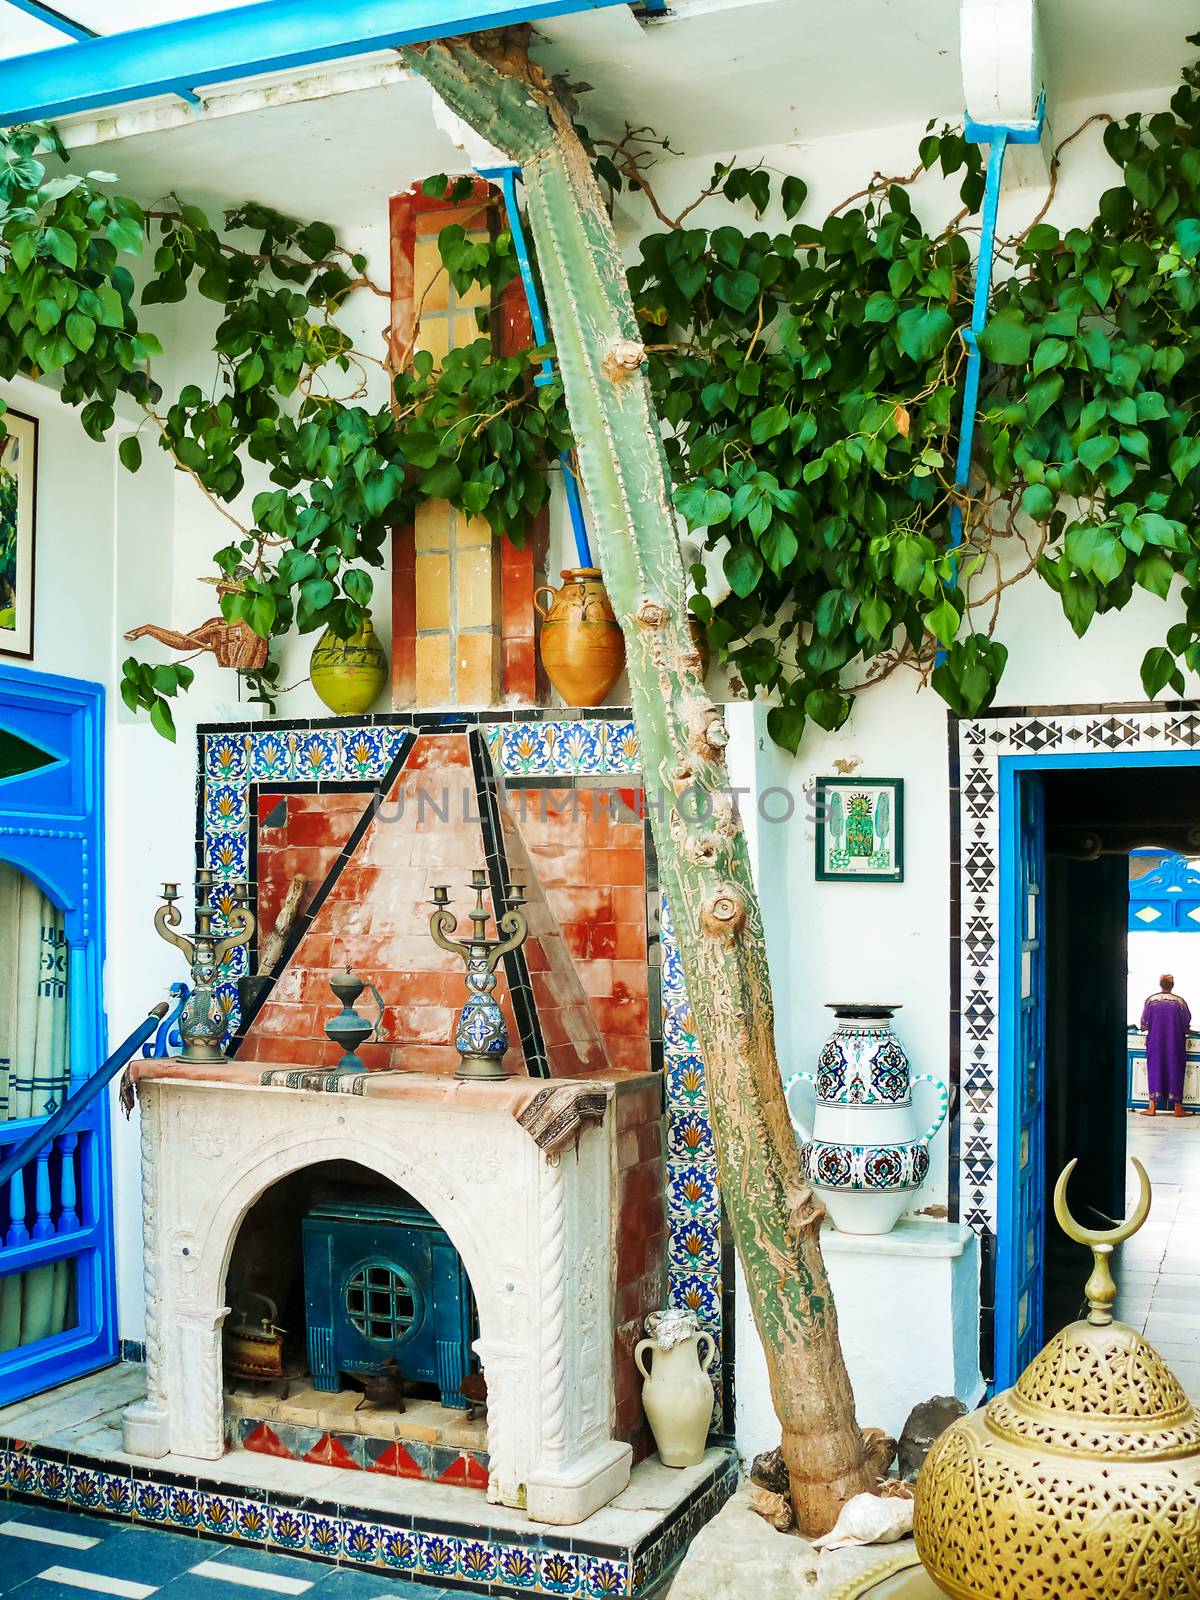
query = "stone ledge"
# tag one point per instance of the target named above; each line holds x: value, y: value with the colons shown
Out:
x: 944, y: 1240
x: 737, y: 1555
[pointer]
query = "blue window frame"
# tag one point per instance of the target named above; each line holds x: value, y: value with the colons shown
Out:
x: 59, y: 1208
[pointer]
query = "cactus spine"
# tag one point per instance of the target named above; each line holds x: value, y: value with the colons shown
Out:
x: 702, y: 851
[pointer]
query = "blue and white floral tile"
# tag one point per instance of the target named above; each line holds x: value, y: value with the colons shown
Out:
x: 698, y: 1292
x: 187, y: 1507
x: 686, y: 1083
x: 227, y: 756
x: 398, y: 1549
x: 116, y: 1492
x: 603, y: 1579
x: 87, y: 1487
x: 518, y: 1567
x: 439, y: 1554
x: 151, y: 1502
x: 273, y: 756
x: 53, y: 1480
x: 360, y: 1542
x: 226, y: 855
x: 478, y: 1561
x: 289, y: 1528
x: 218, y: 1514
x: 560, y: 1572
x: 324, y: 1535
x: 689, y: 1135
x: 363, y: 753
x: 564, y: 749
x: 252, y: 1521
x: 318, y: 756
x: 225, y: 808
x: 694, y: 1245
x: 692, y: 1191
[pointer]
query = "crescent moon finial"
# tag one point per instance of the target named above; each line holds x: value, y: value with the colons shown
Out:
x: 1100, y: 1289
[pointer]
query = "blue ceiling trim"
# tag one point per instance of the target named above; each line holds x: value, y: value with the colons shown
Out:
x: 53, y: 18
x: 272, y: 36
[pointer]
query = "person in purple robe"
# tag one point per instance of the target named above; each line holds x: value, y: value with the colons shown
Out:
x: 1166, y: 1018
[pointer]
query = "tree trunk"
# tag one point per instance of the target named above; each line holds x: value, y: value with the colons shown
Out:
x: 702, y: 851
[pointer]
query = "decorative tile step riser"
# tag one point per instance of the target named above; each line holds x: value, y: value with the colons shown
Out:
x: 354, y: 1452
x: 454, y: 1556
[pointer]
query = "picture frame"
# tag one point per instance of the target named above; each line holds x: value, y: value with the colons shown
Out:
x: 18, y: 532
x: 860, y: 830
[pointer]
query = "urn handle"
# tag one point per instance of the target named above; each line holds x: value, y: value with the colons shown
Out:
x: 638, y: 1360
x: 706, y: 1361
x: 943, y: 1103
x: 805, y: 1133
x: 544, y: 611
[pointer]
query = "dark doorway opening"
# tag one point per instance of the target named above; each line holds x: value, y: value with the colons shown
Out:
x: 1094, y: 819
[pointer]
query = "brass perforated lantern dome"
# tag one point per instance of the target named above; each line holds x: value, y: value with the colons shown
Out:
x: 1082, y: 1481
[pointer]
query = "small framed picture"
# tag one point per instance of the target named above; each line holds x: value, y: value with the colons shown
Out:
x: 18, y: 528
x: 860, y: 829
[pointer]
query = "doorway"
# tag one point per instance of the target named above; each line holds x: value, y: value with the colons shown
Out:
x: 1073, y: 831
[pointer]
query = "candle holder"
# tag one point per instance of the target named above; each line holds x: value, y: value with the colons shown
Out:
x: 481, y: 1036
x: 203, y: 1020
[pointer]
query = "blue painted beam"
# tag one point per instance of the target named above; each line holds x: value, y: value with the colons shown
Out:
x: 272, y: 36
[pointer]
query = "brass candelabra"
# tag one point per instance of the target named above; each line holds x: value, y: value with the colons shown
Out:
x: 481, y: 1035
x: 203, y: 1020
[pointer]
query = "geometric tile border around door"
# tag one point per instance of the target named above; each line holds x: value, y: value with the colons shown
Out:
x: 976, y: 748
x: 426, y: 1550
x: 523, y: 745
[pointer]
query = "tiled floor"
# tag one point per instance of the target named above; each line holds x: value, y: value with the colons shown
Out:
x: 1158, y: 1273
x: 51, y: 1555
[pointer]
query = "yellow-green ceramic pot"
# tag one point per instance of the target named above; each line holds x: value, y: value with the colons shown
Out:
x: 348, y: 674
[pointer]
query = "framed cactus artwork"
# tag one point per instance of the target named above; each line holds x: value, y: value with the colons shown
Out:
x: 860, y: 829
x: 18, y: 485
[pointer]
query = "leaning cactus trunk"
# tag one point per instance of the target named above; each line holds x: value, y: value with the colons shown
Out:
x: 702, y: 853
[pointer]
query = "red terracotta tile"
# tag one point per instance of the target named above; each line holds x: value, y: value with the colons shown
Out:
x: 629, y: 903
x: 602, y: 941
x: 466, y: 1472
x: 264, y: 1441
x: 630, y: 943
x: 327, y: 1452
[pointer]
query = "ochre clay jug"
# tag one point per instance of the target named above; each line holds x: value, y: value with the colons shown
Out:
x: 677, y: 1394
x: 583, y: 650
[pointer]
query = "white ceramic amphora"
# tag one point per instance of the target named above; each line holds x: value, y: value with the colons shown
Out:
x: 677, y: 1393
x: 860, y: 1148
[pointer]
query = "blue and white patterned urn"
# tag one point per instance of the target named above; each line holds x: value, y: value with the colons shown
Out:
x: 860, y: 1148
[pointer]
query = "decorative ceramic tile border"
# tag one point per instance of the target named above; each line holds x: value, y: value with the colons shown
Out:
x: 429, y: 1551
x: 521, y: 746
x: 982, y: 744
x: 357, y: 1452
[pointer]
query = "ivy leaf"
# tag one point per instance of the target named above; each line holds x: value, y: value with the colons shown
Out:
x: 908, y: 565
x: 785, y: 724
x: 703, y: 507
x: 743, y: 567
x: 736, y: 289
x: 359, y: 586
x: 769, y: 424
x: 879, y: 308
x: 130, y: 452
x: 249, y: 371
x: 922, y: 333
x: 1049, y: 353
x: 1006, y: 339
x: 1037, y: 501
x: 779, y: 546
x: 793, y: 193
x: 1155, y: 573
x: 161, y: 719
x: 1183, y: 456
x: 943, y: 620
x: 81, y: 330
x: 1093, y: 453
x: 1158, y: 670
x: 126, y: 234
x: 62, y: 247
x: 827, y: 708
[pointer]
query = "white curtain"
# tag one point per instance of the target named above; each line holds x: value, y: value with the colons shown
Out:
x: 34, y: 1079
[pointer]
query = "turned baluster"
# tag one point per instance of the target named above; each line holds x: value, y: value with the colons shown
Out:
x: 18, y: 1233
x: 68, y: 1214
x: 43, y: 1226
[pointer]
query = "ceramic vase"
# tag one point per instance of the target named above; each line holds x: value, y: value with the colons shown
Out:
x: 348, y: 674
x: 677, y: 1393
x: 863, y: 1148
x: 582, y: 646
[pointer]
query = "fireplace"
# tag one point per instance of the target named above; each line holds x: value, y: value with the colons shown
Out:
x: 538, y: 1236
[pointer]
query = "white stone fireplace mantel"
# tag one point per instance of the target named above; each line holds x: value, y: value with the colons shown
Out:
x: 535, y: 1235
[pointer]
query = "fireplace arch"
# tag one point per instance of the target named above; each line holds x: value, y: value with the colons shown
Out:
x: 535, y: 1237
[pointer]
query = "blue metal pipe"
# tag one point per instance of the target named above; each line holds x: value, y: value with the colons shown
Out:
x: 506, y: 176
x: 53, y: 19
x: 62, y: 1119
x: 271, y: 36
x: 999, y: 136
